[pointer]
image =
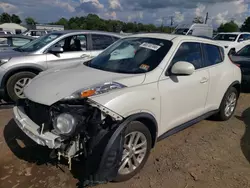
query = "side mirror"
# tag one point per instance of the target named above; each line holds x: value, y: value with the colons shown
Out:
x: 232, y: 51
x: 182, y: 68
x: 56, y: 50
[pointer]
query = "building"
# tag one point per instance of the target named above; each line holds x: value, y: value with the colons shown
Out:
x: 12, y: 27
x: 46, y: 27
x: 50, y: 27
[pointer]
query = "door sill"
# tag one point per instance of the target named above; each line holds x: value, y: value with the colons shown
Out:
x: 186, y: 125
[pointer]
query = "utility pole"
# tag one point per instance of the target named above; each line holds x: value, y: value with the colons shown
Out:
x: 171, y: 24
x: 206, y: 18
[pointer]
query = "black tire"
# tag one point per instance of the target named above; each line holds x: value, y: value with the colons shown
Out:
x: 12, y: 81
x: 221, y: 115
x: 139, y: 127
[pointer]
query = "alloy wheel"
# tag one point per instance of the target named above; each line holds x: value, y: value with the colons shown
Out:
x: 230, y: 104
x: 19, y: 86
x: 134, y: 151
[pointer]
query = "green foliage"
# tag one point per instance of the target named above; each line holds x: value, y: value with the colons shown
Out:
x: 228, y: 27
x: 246, y: 25
x: 15, y: 19
x: 7, y: 18
x: 30, y: 21
x: 94, y: 22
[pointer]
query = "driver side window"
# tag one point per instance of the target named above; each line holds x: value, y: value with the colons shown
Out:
x: 189, y: 52
x: 73, y: 43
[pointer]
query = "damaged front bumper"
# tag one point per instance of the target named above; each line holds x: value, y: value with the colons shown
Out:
x: 33, y: 131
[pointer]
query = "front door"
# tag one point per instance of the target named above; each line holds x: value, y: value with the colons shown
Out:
x: 183, y: 98
x: 74, y: 49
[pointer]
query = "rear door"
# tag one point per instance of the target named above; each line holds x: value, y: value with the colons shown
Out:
x: 75, y: 47
x: 214, y: 63
x: 99, y: 42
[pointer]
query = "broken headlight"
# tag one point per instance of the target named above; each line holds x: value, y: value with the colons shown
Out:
x: 65, y: 124
x: 95, y: 90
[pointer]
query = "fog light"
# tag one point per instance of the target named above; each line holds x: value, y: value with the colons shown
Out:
x: 64, y: 124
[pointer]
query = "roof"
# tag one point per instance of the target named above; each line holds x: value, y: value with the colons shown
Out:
x: 12, y: 26
x: 17, y: 36
x: 172, y: 37
x: 87, y: 31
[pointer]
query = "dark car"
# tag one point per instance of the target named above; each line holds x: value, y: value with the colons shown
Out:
x: 242, y: 59
x: 12, y: 41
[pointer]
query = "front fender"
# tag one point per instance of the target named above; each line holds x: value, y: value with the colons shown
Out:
x: 129, y: 101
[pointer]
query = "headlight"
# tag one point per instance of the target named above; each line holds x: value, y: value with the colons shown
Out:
x: 64, y: 124
x: 3, y: 61
x: 95, y: 90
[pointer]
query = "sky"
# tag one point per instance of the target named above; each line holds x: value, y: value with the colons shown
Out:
x: 144, y: 11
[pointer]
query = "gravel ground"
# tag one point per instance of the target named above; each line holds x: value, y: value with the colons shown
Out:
x: 209, y: 154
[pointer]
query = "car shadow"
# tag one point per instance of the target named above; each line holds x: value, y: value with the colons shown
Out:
x: 23, y: 147
x: 26, y: 149
x: 245, y: 140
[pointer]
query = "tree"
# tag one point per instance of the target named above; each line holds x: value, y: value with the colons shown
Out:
x: 198, y: 19
x: 5, y: 18
x: 246, y: 25
x: 30, y: 21
x: 228, y: 27
x: 15, y: 19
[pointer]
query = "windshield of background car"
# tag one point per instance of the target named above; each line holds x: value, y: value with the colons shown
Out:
x: 132, y: 55
x: 226, y: 37
x: 38, y: 43
x: 182, y: 31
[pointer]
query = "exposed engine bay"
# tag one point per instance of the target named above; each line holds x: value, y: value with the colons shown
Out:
x: 86, y: 131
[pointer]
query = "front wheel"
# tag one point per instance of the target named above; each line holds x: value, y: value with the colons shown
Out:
x: 228, y: 104
x: 16, y: 83
x: 136, y: 149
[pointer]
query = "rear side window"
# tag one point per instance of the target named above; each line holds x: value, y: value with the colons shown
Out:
x: 214, y: 54
x: 100, y: 42
x: 189, y: 52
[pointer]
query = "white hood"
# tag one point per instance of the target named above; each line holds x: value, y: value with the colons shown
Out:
x: 50, y: 87
x: 225, y: 43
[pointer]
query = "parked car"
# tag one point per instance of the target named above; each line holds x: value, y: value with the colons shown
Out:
x: 113, y: 109
x: 20, y: 65
x: 12, y: 41
x: 229, y: 40
x: 242, y: 59
x: 194, y: 29
x: 36, y: 33
x: 5, y: 33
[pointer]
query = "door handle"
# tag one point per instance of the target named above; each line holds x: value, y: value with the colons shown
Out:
x: 204, y: 80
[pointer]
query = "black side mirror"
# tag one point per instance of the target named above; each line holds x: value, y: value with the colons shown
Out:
x: 232, y: 51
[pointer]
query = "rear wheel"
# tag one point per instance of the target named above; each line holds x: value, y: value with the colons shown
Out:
x: 16, y: 83
x: 228, y: 104
x: 136, y: 149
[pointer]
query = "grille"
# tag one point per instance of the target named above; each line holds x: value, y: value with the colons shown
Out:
x: 38, y: 113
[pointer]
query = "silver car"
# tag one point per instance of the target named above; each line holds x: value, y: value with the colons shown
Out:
x: 18, y: 66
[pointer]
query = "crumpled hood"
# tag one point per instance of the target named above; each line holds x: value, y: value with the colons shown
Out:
x: 11, y: 53
x: 50, y: 87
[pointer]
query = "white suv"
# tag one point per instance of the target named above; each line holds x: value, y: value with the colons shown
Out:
x: 114, y: 108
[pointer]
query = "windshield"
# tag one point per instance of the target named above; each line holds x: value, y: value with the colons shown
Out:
x: 181, y: 31
x: 38, y: 43
x: 132, y: 55
x: 226, y: 37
